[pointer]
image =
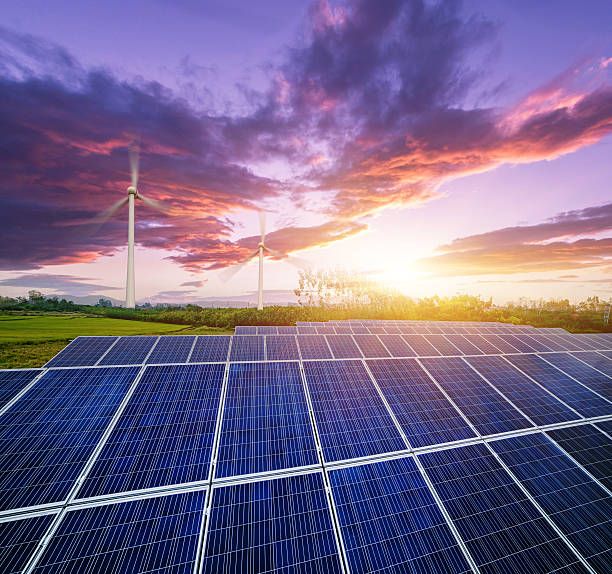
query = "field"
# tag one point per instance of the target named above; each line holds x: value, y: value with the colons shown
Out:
x: 31, y: 340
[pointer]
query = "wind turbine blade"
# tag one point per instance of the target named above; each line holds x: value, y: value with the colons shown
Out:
x: 262, y: 225
x: 157, y: 205
x: 229, y: 273
x: 295, y: 261
x: 105, y: 215
x: 134, y: 161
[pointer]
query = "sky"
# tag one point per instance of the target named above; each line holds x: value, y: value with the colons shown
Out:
x: 434, y: 147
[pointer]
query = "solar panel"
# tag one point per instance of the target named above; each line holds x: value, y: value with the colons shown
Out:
x: 464, y: 345
x: 579, y: 506
x: 501, y: 343
x: 536, y: 402
x: 352, y: 420
x: 165, y: 434
x: 147, y: 535
x: 171, y: 349
x: 569, y: 391
x: 266, y: 425
x: 303, y: 330
x: 19, y: 539
x: 281, y: 348
x: 396, y: 346
x: 371, y: 346
x: 129, y: 351
x: 48, y: 435
x: 248, y: 348
x: 483, y: 343
x: 245, y: 330
x: 13, y: 382
x: 313, y: 347
x: 212, y: 348
x: 519, y: 343
x: 83, y: 351
x: 390, y: 521
x: 589, y: 447
x: 605, y: 426
x: 288, y: 330
x: 540, y: 343
x: 607, y: 354
x: 280, y: 525
x: 489, y: 412
x: 421, y: 346
x: 443, y: 345
x: 502, y: 529
x: 597, y: 361
x: 343, y: 347
x: 424, y: 413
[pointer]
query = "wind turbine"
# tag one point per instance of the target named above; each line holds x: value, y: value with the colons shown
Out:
x: 261, y: 252
x: 130, y: 200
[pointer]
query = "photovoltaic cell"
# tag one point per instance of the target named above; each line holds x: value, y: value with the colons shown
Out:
x: 343, y: 347
x: 13, y: 382
x: 444, y: 346
x: 48, y: 435
x: 482, y: 342
x: 421, y: 346
x: 590, y: 447
x: 489, y: 412
x: 82, y: 352
x: 165, y: 434
x: 248, y: 348
x: 148, y: 535
x: 596, y: 361
x: 171, y: 349
x: 18, y: 540
x: 519, y: 343
x: 390, y: 521
x: 275, y: 526
x: 466, y: 347
x: 580, y: 507
x: 267, y: 330
x: 129, y: 351
x: 538, y: 404
x: 371, y: 346
x: 313, y: 347
x: 352, y: 420
x: 305, y: 330
x: 245, y: 330
x: 281, y: 348
x: 501, y: 343
x: 210, y: 349
x: 540, y: 343
x: 266, y: 424
x: 605, y: 426
x: 607, y: 354
x: 396, y: 346
x: 502, y: 529
x: 287, y: 330
x: 424, y: 413
x: 574, y: 394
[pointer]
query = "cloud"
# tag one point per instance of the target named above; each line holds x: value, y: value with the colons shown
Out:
x: 193, y: 283
x: 554, y: 245
x: 77, y: 286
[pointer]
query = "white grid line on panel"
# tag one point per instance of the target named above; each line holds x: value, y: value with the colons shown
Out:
x: 22, y: 392
x: 107, y: 351
x: 572, y: 354
x: 195, y: 340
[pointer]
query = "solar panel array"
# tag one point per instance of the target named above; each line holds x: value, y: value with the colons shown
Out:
x: 358, y: 446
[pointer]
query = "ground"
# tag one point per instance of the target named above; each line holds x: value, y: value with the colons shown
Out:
x: 31, y: 340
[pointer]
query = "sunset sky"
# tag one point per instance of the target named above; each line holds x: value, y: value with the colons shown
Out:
x: 436, y: 147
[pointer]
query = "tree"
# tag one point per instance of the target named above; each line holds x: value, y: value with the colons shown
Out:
x: 102, y: 302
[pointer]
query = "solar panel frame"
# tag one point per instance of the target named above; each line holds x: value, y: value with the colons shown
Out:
x: 82, y: 352
x: 14, y: 382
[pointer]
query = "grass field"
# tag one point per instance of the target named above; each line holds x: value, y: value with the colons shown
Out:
x: 31, y: 340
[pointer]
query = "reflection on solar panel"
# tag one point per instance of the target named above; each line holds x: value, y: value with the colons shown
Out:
x: 149, y: 535
x: 129, y: 351
x: 396, y: 346
x: 210, y: 349
x: 48, y: 435
x: 424, y: 413
x: 18, y: 540
x: 501, y: 343
x: 344, y: 347
x: 266, y: 425
x: 13, y: 382
x: 249, y: 348
x: 483, y: 343
x: 422, y: 347
x: 502, y: 529
x: 247, y: 330
x: 596, y: 361
x: 391, y: 522
x: 590, y: 447
x: 171, y: 349
x: 489, y: 412
x: 165, y: 434
x: 352, y: 420
x: 466, y: 347
x: 281, y: 348
x: 83, y: 351
x: 572, y: 393
x: 371, y: 346
x: 579, y: 506
x: 443, y: 345
x: 607, y: 354
x: 281, y: 525
x: 314, y: 347
x: 519, y: 343
x: 537, y: 403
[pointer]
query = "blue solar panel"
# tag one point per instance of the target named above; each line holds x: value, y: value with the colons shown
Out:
x: 442, y: 344
x: 313, y: 347
x: 171, y: 349
x: 83, y: 351
x: 607, y: 354
x: 306, y: 330
x: 421, y: 346
x: 275, y: 526
x: 281, y: 348
x: 574, y: 394
x: 245, y: 330
x: 129, y: 351
x: 210, y: 349
x: 249, y: 348
x: 590, y: 447
x: 344, y: 347
x: 480, y: 403
x: 483, y: 343
x: 154, y: 535
x: 540, y: 343
x: 326, y: 330
x: 597, y: 361
x: 519, y: 343
x: 593, y: 379
x: 371, y: 346
x: 13, y: 382
x: 580, y: 507
x: 424, y: 413
x: 538, y: 404
x: 464, y: 345
x: 266, y: 425
x: 165, y: 434
x: 605, y: 426
x: 502, y: 529
x: 390, y: 521
x: 48, y: 435
x: 352, y: 420
x: 19, y: 539
x: 396, y: 346
x: 500, y: 342
x: 289, y: 330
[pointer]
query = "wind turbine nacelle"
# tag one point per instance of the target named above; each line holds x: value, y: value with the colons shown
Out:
x: 132, y: 191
